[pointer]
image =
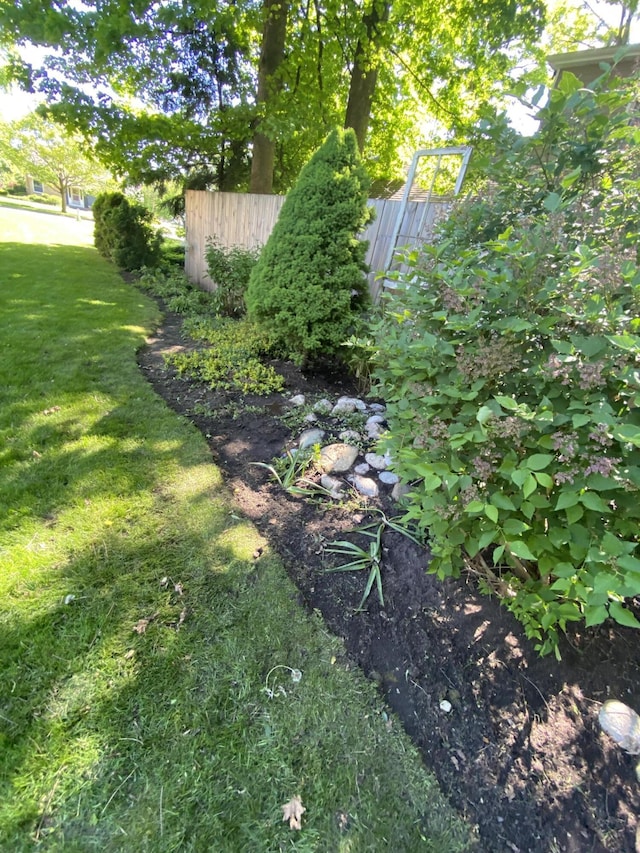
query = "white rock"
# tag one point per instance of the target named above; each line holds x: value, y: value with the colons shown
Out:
x: 362, y: 468
x: 622, y: 724
x: 310, y: 437
x: 297, y: 400
x: 346, y: 405
x: 446, y: 706
x: 375, y: 431
x: 388, y: 478
x: 338, y: 457
x: 376, y: 461
x: 310, y: 418
x: 365, y: 485
x: 323, y: 407
x: 349, y: 436
x: 374, y: 419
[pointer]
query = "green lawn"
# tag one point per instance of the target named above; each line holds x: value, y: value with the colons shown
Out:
x: 149, y: 699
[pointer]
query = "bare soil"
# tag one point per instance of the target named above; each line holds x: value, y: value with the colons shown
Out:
x: 520, y: 754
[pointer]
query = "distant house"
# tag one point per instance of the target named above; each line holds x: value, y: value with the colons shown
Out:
x: 76, y: 196
x: 587, y: 65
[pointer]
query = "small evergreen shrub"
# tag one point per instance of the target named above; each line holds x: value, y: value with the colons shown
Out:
x: 309, y: 285
x: 510, y: 361
x: 230, y: 270
x: 123, y: 233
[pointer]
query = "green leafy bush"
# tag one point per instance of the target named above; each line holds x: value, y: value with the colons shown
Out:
x: 43, y: 198
x: 232, y: 359
x: 309, y: 284
x: 230, y: 270
x: 510, y: 360
x: 123, y: 233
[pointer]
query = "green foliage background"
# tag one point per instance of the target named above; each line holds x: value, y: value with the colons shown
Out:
x: 510, y: 359
x: 309, y: 283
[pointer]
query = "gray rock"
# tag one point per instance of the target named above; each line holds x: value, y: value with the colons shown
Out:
x: 310, y: 418
x: 377, y: 407
x: 298, y: 400
x: 333, y: 486
x: 310, y: 437
x: 349, y: 436
x: 376, y: 461
x: 374, y: 419
x: 346, y: 405
x: 362, y: 468
x: 400, y: 490
x: 388, y: 478
x: 622, y: 724
x: 365, y: 485
x: 338, y: 457
x: 323, y: 407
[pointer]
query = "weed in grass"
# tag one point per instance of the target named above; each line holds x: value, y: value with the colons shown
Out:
x: 368, y: 559
x: 289, y: 469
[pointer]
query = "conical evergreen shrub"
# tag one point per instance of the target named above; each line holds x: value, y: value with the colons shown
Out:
x: 309, y: 283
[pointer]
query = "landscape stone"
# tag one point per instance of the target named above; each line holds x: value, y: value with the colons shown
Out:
x: 400, y: 490
x: 323, y: 407
x: 333, y: 486
x: 622, y: 724
x: 338, y: 457
x: 310, y: 418
x: 349, y: 436
x: 310, y: 437
x: 362, y: 468
x: 388, y: 478
x: 376, y: 461
x: 377, y: 407
x: 297, y: 400
x: 346, y: 405
x: 365, y: 485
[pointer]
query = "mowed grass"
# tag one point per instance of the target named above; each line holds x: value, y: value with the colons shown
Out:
x: 160, y: 687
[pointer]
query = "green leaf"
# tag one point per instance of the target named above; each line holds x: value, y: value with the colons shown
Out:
x: 485, y: 414
x: 628, y: 433
x: 567, y: 499
x: 538, y: 461
x: 544, y: 479
x: 552, y: 202
x: 514, y: 527
x: 507, y: 403
x: 529, y: 486
x: 520, y: 549
x: 595, y: 615
x: 594, y: 502
x: 622, y: 615
x: 574, y: 513
x: 491, y: 512
x: 502, y: 501
x: 630, y: 564
x: 431, y: 482
x: 474, y: 507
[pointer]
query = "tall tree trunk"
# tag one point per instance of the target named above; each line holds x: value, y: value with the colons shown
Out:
x: 364, y: 74
x: 271, y: 57
x: 63, y: 196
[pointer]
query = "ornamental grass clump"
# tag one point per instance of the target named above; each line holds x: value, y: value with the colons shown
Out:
x: 510, y: 362
x: 309, y: 284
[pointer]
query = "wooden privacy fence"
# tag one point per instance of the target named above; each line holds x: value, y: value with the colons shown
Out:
x: 245, y: 219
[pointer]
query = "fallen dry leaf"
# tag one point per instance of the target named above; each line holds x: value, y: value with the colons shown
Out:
x: 293, y: 811
x: 141, y: 626
x: 51, y: 410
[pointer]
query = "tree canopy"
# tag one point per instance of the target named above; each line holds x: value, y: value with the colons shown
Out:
x: 195, y: 88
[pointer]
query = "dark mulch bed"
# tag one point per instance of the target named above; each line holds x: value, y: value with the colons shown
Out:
x: 520, y: 754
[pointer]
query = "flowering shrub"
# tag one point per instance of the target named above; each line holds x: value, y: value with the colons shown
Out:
x: 510, y: 362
